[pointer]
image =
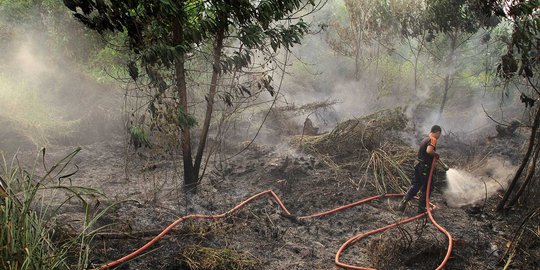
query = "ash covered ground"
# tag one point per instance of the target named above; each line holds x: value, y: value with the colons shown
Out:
x: 147, y: 195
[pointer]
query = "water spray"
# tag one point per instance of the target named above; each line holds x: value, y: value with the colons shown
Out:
x: 469, y: 188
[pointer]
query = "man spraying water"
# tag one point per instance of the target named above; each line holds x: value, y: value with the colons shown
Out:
x: 426, y: 154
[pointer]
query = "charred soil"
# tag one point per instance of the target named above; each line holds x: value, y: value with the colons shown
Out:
x: 146, y: 190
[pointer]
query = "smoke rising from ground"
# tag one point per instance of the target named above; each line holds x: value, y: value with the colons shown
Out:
x: 316, y: 73
x: 388, y: 82
x: 464, y: 188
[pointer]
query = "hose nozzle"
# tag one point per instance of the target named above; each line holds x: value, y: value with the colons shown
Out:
x: 445, y: 167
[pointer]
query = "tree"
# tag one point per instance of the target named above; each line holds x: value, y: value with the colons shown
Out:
x: 521, y: 63
x: 42, y: 20
x: 456, y: 21
x: 163, y: 36
x: 368, y: 23
x: 406, y: 20
x: 437, y: 28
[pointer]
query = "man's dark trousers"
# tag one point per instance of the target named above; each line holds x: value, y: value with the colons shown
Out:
x: 419, y: 182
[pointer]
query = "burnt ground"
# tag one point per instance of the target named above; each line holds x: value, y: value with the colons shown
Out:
x: 147, y: 196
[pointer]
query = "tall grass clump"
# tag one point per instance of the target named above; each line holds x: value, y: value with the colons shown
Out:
x: 27, y: 219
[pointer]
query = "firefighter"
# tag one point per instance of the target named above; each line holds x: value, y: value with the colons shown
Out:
x: 426, y: 154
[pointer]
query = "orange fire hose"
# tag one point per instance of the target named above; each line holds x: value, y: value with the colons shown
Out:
x: 362, y: 235
x: 282, y: 206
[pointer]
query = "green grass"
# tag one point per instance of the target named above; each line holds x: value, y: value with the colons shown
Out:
x: 28, y: 214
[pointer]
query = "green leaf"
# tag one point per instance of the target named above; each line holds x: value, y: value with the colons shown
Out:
x: 185, y: 120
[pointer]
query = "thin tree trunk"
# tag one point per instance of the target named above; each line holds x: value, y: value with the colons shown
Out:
x: 190, y: 179
x: 415, y: 77
x: 377, y: 60
x: 524, y: 162
x: 530, y: 174
x: 449, y: 75
x: 445, y: 94
x: 357, y: 64
x: 218, y: 47
x: 358, y: 56
x: 417, y: 55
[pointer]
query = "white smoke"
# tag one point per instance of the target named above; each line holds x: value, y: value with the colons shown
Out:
x: 464, y: 188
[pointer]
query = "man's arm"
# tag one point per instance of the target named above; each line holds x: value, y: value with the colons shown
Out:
x: 431, y: 151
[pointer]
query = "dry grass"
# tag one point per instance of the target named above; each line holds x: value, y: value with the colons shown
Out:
x: 391, y: 168
x: 196, y: 257
x: 522, y: 250
x: 205, y: 230
x: 404, y: 247
x: 385, y: 253
x: 367, y: 144
x: 356, y: 135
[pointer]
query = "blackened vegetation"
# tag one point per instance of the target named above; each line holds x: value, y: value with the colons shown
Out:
x: 529, y: 102
x: 309, y: 128
x: 508, y: 66
x: 506, y: 131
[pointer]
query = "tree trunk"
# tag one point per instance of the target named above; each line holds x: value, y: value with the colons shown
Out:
x: 358, y: 54
x: 445, y: 95
x: 416, y: 56
x: 190, y: 179
x: 415, y: 77
x: 357, y: 64
x: 530, y: 174
x: 218, y: 47
x: 377, y: 59
x: 449, y: 75
x: 524, y: 162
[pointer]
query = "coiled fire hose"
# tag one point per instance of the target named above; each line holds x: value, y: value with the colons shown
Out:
x: 428, y: 212
x: 284, y: 209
